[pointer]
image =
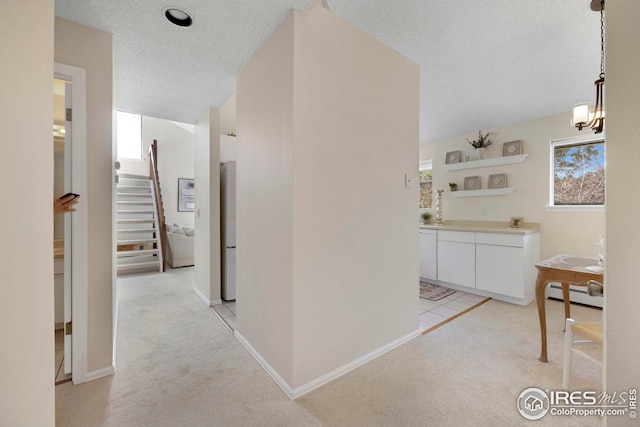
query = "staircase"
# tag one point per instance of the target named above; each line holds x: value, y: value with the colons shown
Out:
x: 139, y: 247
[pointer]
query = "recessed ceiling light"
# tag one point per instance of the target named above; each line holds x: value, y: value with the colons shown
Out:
x: 177, y: 16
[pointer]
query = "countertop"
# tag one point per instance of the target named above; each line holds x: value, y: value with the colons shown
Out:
x: 484, y: 227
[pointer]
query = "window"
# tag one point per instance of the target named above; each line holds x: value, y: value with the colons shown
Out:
x: 578, y: 172
x: 129, y: 135
x: 426, y: 189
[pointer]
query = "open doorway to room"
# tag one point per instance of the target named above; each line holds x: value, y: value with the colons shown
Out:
x: 70, y: 243
x: 61, y: 229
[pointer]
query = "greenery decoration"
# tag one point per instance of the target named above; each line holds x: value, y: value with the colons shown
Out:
x: 482, y: 141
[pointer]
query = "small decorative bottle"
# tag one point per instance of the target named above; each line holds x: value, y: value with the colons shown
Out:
x: 439, y: 207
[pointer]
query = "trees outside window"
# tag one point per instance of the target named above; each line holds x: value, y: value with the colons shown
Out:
x: 578, y: 174
x: 426, y: 188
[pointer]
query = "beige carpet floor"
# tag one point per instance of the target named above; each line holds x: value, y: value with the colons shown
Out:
x: 179, y: 366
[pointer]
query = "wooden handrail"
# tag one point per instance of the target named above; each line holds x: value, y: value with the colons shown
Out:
x: 153, y: 173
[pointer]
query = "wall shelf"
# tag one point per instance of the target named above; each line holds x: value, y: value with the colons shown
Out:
x: 496, y: 161
x: 485, y: 192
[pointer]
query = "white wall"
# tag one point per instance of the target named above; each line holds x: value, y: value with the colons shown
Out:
x: 622, y: 293
x: 176, y: 157
x: 346, y: 258
x: 560, y: 231
x: 207, y: 215
x: 228, y: 116
x: 92, y: 50
x: 264, y: 233
x: 228, y: 148
x: 26, y: 293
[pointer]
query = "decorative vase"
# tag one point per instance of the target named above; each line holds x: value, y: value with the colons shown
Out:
x: 480, y: 152
x: 439, y: 207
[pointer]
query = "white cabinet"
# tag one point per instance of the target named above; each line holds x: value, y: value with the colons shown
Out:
x: 457, y: 258
x: 428, y: 254
x: 500, y: 269
x: 498, y: 265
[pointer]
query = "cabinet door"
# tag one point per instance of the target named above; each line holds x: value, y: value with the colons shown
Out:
x: 428, y: 257
x: 500, y: 269
x: 456, y: 263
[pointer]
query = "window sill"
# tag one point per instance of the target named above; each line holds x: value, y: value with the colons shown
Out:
x: 575, y: 208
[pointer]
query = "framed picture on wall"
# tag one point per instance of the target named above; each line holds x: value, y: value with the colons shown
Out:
x: 186, y: 195
x: 471, y: 183
x: 512, y: 148
x: 453, y: 157
x: 498, y: 180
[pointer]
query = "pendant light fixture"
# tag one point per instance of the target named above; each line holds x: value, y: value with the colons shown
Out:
x: 583, y: 116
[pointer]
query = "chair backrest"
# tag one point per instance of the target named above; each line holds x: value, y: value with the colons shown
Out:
x: 589, y: 330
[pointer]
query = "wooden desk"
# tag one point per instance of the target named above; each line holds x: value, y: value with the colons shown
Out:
x: 567, y: 270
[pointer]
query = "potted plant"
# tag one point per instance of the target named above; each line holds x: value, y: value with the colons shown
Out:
x: 453, y: 186
x: 481, y: 143
x: 426, y: 216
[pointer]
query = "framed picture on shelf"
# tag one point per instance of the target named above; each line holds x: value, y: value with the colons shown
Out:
x: 512, y: 148
x: 186, y: 195
x: 498, y: 180
x: 471, y: 183
x: 453, y: 157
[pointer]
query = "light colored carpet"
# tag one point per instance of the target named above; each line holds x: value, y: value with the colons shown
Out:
x: 179, y: 366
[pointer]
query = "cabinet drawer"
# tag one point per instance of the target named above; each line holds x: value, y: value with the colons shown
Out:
x: 500, y: 239
x: 457, y: 236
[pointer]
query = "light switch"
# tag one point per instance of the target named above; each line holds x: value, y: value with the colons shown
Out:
x: 407, y: 180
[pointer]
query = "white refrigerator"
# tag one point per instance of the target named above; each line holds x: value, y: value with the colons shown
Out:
x: 228, y: 229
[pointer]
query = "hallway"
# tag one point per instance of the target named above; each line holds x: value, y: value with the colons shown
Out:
x: 177, y: 365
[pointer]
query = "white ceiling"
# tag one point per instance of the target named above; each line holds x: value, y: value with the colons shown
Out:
x: 483, y: 64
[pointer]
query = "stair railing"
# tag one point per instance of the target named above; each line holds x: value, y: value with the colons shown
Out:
x: 162, y: 226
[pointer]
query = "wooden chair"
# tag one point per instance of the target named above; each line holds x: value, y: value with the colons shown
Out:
x: 592, y: 331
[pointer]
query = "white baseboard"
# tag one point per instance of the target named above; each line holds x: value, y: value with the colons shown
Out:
x: 328, y: 377
x: 115, y: 333
x: 104, y: 372
x: 201, y: 295
x: 267, y: 367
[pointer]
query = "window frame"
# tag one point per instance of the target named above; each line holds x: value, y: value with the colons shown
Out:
x: 576, y: 140
x: 425, y: 165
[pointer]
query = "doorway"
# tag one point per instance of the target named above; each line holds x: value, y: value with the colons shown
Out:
x: 75, y: 244
x: 62, y: 230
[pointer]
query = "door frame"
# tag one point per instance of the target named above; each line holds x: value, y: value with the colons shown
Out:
x: 79, y: 239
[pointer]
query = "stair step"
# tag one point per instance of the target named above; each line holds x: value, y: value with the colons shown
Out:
x: 137, y: 253
x: 133, y: 176
x: 135, y: 265
x: 133, y: 187
x: 134, y: 211
x: 121, y: 203
x: 136, y: 241
x: 145, y: 195
x: 137, y: 230
x: 136, y: 221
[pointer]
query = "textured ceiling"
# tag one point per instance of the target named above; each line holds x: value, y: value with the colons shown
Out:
x: 482, y: 63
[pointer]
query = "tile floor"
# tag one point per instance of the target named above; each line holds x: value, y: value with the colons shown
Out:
x: 430, y: 313
x: 227, y: 311
x: 60, y: 376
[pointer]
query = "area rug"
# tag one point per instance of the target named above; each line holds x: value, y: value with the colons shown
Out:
x: 434, y: 292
